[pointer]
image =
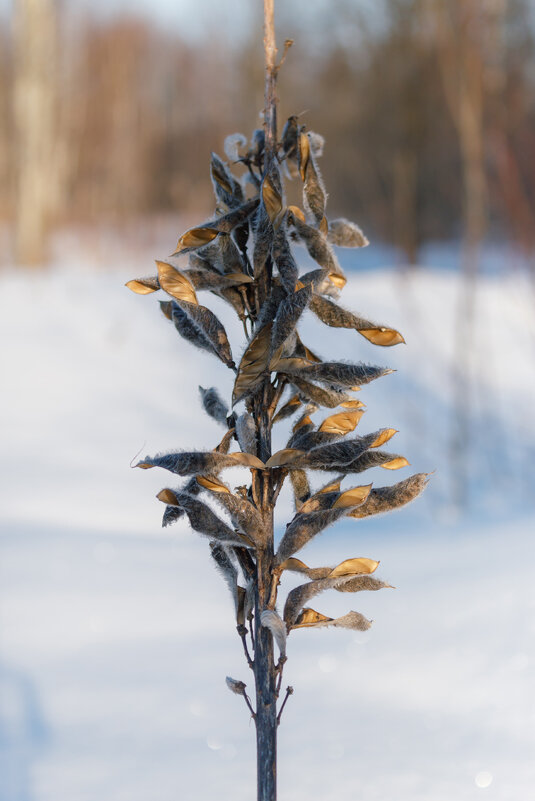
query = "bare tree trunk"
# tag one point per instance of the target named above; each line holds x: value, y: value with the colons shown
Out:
x: 265, y: 674
x: 35, y: 33
x: 461, y: 61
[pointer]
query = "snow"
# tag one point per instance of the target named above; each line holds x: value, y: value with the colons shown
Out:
x: 116, y: 636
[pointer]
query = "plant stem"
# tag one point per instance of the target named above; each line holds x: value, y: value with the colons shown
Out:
x: 270, y: 110
x: 264, y: 663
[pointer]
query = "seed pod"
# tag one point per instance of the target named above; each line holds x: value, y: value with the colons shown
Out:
x: 213, y: 405
x: 144, y: 286
x: 346, y: 234
x: 287, y: 317
x: 246, y: 432
x: 312, y: 619
x: 330, y: 398
x: 243, y: 514
x: 190, y: 463
x: 227, y: 189
x: 314, y: 194
x: 271, y: 620
x: 174, y: 513
x: 384, y: 499
x: 226, y: 568
x: 203, y: 329
x: 390, y: 461
x: 203, y: 520
x: 316, y: 244
x: 232, y: 144
x: 289, y: 408
x: 299, y: 596
x: 333, y: 315
x: 301, y: 487
x: 302, y: 528
x: 235, y: 686
x: 332, y: 373
x: 283, y: 259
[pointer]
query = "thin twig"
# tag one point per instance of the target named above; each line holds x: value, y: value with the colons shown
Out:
x: 289, y: 691
x: 287, y: 44
x: 248, y: 702
x: 242, y: 631
x: 280, y: 669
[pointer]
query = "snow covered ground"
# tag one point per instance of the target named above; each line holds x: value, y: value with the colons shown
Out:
x: 116, y: 635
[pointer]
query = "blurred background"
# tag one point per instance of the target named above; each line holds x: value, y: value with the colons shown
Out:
x: 113, y: 643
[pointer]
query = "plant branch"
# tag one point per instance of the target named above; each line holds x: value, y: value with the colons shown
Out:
x: 248, y: 702
x: 242, y: 631
x: 289, y: 691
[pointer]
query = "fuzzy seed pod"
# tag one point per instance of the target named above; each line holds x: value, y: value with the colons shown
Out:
x: 226, y: 568
x: 287, y: 317
x: 332, y: 373
x: 226, y: 188
x: 174, y: 513
x: 271, y: 620
x: 232, y: 144
x: 201, y: 327
x: 213, y: 405
x: 302, y: 528
x: 300, y: 486
x: 346, y: 234
x: 335, y: 316
x: 311, y: 619
x: 246, y: 433
x: 330, y: 398
x: 203, y: 520
x: 384, y: 499
x: 235, y: 686
x: 299, y: 596
x: 190, y: 463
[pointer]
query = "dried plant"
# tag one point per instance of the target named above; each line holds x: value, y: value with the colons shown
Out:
x: 244, y: 255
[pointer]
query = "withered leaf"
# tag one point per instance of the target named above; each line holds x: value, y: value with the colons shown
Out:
x: 384, y: 435
x: 304, y: 154
x: 143, y: 286
x: 271, y: 199
x: 175, y: 283
x: 352, y: 497
x: 195, y: 238
x: 212, y: 484
x: 352, y: 567
x: 309, y: 617
x: 341, y: 423
x: 285, y: 457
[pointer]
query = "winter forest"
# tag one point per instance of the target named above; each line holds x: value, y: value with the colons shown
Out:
x: 116, y: 634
